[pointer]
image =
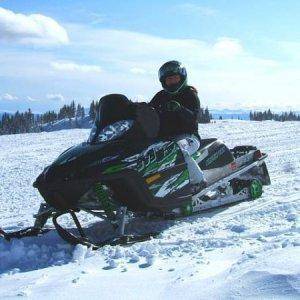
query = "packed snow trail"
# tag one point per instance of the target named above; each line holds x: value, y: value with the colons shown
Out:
x: 250, y: 249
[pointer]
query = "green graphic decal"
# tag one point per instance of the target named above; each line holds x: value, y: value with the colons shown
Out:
x: 184, y: 176
x: 187, y: 210
x: 255, y: 189
x: 156, y: 165
x: 176, y: 182
x: 114, y: 169
x: 155, y: 187
x: 196, y: 155
x: 103, y: 197
x: 152, y: 160
x: 160, y: 160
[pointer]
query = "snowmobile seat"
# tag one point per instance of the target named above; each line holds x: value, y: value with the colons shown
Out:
x: 206, y: 142
x: 218, y: 156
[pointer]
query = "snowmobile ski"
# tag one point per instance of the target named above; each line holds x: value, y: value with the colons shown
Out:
x: 26, y: 232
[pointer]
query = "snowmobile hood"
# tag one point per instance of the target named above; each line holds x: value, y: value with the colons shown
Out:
x: 87, y: 154
x: 82, y: 160
x: 78, y: 160
x: 77, y: 151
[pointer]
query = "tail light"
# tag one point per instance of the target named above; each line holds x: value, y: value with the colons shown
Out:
x: 233, y: 166
x: 257, y: 155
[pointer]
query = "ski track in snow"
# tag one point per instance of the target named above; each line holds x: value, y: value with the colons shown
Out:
x: 250, y: 249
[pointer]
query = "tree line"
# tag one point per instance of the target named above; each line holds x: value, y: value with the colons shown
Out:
x: 268, y: 115
x: 24, y: 122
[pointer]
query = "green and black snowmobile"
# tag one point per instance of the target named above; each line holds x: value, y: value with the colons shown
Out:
x: 124, y: 168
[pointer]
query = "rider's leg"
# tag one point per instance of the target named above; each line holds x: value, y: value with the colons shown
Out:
x: 188, y: 147
x: 195, y: 173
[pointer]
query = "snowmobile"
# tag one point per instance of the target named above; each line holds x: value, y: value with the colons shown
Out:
x: 124, y: 169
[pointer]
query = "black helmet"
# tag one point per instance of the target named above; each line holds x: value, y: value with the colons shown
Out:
x: 170, y: 68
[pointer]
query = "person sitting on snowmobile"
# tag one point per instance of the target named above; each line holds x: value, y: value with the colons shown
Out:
x: 178, y: 106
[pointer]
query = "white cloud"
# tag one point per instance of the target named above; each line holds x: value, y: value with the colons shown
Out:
x: 192, y: 8
x: 227, y: 47
x: 126, y: 50
x: 8, y: 97
x: 55, y: 97
x: 31, y: 99
x: 138, y: 71
x: 290, y: 49
x: 32, y: 29
x: 223, y: 70
x: 70, y: 66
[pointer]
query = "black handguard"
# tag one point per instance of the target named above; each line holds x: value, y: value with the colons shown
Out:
x: 187, y: 114
x: 182, y: 112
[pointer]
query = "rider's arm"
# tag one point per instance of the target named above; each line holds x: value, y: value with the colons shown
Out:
x: 190, y: 109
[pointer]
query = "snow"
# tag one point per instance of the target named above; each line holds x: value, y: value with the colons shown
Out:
x: 71, y: 123
x: 248, y: 250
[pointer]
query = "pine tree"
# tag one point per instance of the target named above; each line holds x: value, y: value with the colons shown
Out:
x: 82, y: 112
x: 206, y: 115
x: 72, y: 110
x: 78, y: 111
x: 92, y: 112
x: 251, y: 116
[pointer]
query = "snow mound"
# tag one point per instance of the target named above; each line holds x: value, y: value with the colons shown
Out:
x: 263, y: 284
x: 33, y: 253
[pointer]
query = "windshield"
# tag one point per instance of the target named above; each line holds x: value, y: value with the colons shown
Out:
x: 113, y: 118
x: 109, y: 132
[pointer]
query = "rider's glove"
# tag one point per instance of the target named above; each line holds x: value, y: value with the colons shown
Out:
x: 173, y: 106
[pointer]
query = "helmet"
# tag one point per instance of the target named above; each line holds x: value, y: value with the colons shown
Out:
x: 170, y: 68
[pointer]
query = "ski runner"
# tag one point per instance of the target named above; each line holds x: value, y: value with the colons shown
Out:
x: 178, y: 106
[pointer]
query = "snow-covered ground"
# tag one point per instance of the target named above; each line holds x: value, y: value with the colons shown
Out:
x: 248, y: 250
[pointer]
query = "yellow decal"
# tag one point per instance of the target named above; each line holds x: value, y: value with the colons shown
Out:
x: 152, y: 178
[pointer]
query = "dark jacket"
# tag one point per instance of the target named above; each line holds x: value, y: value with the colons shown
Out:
x: 180, y: 122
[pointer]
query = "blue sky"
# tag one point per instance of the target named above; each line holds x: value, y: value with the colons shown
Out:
x: 238, y: 54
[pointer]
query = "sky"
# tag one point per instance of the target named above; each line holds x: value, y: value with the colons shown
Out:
x: 238, y: 54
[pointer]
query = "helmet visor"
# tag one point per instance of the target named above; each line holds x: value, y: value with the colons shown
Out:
x: 170, y: 70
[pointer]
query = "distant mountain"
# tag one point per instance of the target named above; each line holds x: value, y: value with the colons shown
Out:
x: 242, y: 114
x: 230, y: 114
x: 35, y: 106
